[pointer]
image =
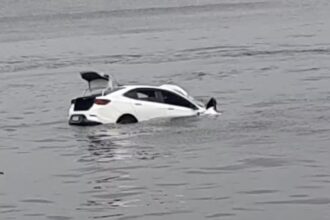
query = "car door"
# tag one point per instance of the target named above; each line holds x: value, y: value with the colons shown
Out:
x: 177, y: 106
x: 146, y: 103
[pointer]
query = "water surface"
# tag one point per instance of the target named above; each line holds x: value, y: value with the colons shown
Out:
x: 266, y: 156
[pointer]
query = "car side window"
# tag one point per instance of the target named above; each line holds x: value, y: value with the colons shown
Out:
x: 174, y: 99
x: 142, y: 94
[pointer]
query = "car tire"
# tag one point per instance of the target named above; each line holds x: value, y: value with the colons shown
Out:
x: 127, y: 119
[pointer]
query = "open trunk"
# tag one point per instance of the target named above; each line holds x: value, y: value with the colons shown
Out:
x: 84, y: 103
x: 95, y: 80
x: 96, y: 83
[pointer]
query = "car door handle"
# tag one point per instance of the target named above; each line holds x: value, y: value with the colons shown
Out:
x: 170, y: 108
x: 137, y: 103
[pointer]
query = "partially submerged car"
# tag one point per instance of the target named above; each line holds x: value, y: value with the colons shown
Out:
x: 109, y: 102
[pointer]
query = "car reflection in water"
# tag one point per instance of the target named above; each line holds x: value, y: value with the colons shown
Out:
x: 115, y: 142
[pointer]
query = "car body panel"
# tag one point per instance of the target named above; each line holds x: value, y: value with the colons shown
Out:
x: 178, y: 111
x: 142, y: 106
x: 145, y: 110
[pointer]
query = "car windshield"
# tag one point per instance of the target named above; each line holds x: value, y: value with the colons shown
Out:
x: 192, y: 99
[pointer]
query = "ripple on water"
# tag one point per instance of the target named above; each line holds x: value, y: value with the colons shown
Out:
x: 312, y: 201
x: 259, y: 192
x: 166, y: 214
x: 242, y: 164
x: 39, y: 201
x: 246, y: 209
x: 34, y: 214
x: 210, y: 198
x: 107, y: 216
x: 58, y: 217
x: 264, y: 162
x: 220, y: 215
x: 7, y: 207
x: 299, y: 195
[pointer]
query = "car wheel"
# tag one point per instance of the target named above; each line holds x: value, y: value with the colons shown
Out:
x: 127, y: 119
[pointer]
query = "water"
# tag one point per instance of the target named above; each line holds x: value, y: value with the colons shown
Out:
x: 266, y: 156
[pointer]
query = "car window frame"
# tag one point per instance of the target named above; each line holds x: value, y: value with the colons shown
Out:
x: 160, y: 99
x: 157, y: 97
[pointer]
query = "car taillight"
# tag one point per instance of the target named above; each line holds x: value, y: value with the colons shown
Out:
x: 101, y: 101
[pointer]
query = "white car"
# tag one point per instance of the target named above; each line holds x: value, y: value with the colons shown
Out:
x: 132, y: 103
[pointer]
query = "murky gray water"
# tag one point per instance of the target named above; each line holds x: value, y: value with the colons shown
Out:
x: 265, y: 157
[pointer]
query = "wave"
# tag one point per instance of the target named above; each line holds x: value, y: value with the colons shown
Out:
x: 149, y: 11
x: 23, y: 64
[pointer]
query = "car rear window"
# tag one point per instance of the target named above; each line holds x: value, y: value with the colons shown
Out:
x: 107, y: 92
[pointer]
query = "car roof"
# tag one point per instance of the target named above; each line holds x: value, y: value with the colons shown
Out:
x: 172, y: 88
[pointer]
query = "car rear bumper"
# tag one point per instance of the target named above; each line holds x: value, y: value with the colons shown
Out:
x: 81, y: 120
